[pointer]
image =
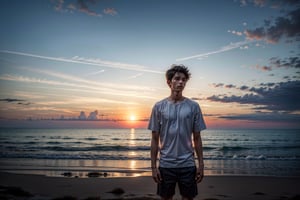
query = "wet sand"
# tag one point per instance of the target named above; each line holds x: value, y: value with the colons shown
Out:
x: 211, y: 188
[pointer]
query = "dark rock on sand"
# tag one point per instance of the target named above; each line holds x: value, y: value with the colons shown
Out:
x: 96, y: 174
x: 117, y: 191
x: 67, y: 174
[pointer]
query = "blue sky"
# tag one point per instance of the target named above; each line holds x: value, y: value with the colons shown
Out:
x: 106, y: 59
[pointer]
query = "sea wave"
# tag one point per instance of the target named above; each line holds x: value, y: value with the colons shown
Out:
x: 97, y: 148
x: 109, y: 156
x: 123, y: 144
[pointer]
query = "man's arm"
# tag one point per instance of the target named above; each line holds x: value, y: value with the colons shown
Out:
x: 154, y: 153
x: 199, y: 153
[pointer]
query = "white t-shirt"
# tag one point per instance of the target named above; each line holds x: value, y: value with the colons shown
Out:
x: 176, y: 123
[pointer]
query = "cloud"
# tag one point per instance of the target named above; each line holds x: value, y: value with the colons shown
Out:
x: 78, y: 5
x: 134, y: 76
x: 90, y: 83
x: 58, y: 5
x: 8, y: 100
x: 82, y: 116
x: 95, y: 73
x: 228, y: 86
x: 84, y: 87
x: 263, y: 68
x: 196, y: 98
x: 218, y: 85
x: 93, y: 115
x: 18, y: 101
x: 270, y: 3
x: 238, y: 33
x: 260, y: 3
x: 287, y: 26
x: 265, y: 116
x: 88, y: 61
x: 83, y: 6
x: 275, y: 63
x: 110, y: 11
x: 229, y: 47
x: 283, y: 96
x: 291, y: 62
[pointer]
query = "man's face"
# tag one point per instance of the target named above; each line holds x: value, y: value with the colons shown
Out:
x: 178, y: 82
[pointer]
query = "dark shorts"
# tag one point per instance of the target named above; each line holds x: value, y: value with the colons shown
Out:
x: 185, y: 177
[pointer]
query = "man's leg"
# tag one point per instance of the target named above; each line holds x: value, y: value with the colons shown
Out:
x: 187, y: 184
x: 166, y: 188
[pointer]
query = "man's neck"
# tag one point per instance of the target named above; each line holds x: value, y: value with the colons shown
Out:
x: 176, y: 96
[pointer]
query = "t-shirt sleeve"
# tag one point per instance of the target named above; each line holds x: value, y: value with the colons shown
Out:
x: 199, y: 123
x: 154, y: 122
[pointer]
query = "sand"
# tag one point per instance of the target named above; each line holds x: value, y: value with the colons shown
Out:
x: 212, y: 187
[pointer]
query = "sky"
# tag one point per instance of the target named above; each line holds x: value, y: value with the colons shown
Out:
x: 90, y: 63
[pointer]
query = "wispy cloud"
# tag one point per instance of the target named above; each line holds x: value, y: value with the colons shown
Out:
x: 265, y: 116
x: 88, y: 7
x: 134, y: 76
x: 9, y: 100
x: 94, y: 73
x: 88, y: 61
x: 18, y: 101
x: 229, y: 47
x: 82, y: 81
x: 86, y: 85
x: 78, y: 5
x: 64, y: 98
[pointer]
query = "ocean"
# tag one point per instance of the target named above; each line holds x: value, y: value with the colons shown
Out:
x: 126, y: 152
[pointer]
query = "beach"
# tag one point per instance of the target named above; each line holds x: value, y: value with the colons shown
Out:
x: 212, y: 187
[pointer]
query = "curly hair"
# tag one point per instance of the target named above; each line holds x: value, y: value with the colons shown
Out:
x: 177, y: 68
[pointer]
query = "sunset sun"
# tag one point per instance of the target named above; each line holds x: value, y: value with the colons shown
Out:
x: 132, y: 118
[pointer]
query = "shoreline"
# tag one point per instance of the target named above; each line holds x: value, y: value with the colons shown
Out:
x: 84, y: 174
x: 133, y: 168
x: 143, y: 187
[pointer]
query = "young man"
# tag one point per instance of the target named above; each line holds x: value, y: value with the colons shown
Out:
x: 176, y: 123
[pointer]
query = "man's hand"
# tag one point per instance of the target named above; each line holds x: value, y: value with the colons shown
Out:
x: 156, y: 175
x: 199, y: 174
